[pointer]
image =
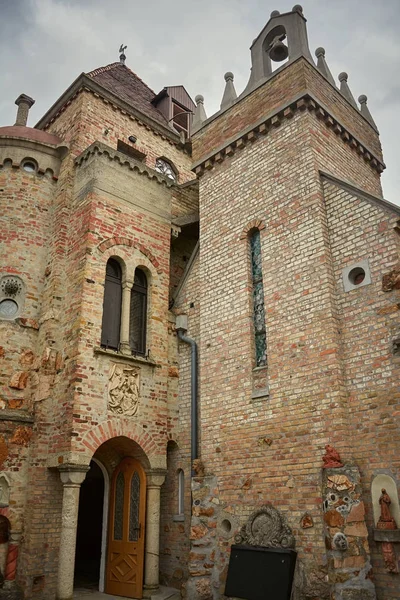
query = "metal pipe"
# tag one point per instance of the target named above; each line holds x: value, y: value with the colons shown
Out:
x: 193, y: 394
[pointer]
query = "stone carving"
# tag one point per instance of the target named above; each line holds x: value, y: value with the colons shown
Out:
x: 198, y: 467
x: 123, y: 390
x: 389, y: 556
x: 386, y: 521
x: 331, y: 459
x: 266, y: 527
x: 340, y: 541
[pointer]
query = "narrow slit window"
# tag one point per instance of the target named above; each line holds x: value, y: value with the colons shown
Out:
x: 110, y: 329
x: 181, y: 492
x: 138, y: 313
x: 260, y: 334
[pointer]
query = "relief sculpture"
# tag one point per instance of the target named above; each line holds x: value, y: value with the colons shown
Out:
x: 123, y: 390
x: 266, y: 527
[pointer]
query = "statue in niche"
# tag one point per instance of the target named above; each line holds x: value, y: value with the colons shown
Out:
x: 385, y: 503
x: 331, y: 458
x: 386, y: 521
x: 123, y: 390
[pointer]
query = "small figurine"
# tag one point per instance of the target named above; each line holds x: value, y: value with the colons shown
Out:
x: 331, y: 458
x: 385, y: 503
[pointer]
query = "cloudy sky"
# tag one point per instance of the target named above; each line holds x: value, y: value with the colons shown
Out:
x: 46, y: 44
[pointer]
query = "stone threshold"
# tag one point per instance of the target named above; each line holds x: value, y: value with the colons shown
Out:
x: 164, y: 593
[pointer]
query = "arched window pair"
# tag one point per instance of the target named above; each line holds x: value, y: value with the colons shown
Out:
x: 112, y: 330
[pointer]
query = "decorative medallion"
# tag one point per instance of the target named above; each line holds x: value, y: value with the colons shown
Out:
x: 266, y: 527
x: 123, y: 390
x: 11, y: 286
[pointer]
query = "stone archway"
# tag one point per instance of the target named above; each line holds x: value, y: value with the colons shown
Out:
x: 110, y: 454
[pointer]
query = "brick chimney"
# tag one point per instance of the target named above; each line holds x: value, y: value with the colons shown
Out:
x: 24, y: 103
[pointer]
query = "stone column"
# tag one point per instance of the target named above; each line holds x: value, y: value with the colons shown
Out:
x: 125, y: 312
x: 155, y: 479
x: 10, y: 570
x: 71, y: 476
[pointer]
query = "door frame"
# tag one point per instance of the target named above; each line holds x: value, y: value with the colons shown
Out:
x: 104, y: 529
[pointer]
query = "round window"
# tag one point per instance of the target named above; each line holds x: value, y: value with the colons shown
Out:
x: 357, y: 276
x: 29, y: 166
x: 8, y: 308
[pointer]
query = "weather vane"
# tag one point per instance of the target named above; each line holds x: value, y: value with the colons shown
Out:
x: 122, y: 57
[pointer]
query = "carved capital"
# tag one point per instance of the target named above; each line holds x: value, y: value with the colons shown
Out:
x: 155, y: 477
x: 127, y: 284
x: 72, y: 475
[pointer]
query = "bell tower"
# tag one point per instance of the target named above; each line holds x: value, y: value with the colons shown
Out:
x: 283, y: 37
x: 272, y: 368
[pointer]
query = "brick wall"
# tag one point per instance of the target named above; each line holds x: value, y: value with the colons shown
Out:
x: 296, y: 79
x: 369, y: 320
x: 87, y: 118
x: 269, y: 450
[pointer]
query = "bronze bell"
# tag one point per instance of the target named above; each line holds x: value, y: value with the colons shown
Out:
x: 278, y: 51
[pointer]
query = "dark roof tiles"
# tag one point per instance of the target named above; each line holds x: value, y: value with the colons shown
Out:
x: 124, y: 83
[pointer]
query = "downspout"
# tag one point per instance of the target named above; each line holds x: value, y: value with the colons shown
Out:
x: 181, y: 328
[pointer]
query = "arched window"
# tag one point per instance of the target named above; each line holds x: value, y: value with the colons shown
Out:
x: 181, y: 492
x: 110, y: 329
x: 138, y: 313
x: 260, y: 334
x: 165, y: 168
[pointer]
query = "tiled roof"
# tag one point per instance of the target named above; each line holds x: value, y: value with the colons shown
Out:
x: 124, y: 83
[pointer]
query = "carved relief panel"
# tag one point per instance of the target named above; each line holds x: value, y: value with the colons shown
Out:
x: 123, y: 390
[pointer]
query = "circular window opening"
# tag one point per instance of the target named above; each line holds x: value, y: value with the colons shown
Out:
x: 357, y: 276
x: 29, y: 166
x: 8, y: 308
x: 226, y: 526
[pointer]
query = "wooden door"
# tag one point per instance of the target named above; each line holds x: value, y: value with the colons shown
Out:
x: 125, y: 556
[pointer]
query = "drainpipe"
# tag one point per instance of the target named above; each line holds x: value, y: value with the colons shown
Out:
x: 181, y: 328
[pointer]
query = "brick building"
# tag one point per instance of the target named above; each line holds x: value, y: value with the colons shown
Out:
x: 224, y: 290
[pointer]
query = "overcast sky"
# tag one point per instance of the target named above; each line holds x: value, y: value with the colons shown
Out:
x: 46, y: 44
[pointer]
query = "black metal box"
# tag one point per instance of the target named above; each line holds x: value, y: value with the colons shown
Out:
x: 257, y: 573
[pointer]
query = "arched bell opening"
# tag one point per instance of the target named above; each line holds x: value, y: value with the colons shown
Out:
x: 275, y: 49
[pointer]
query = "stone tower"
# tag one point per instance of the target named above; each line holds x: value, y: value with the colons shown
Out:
x: 288, y: 173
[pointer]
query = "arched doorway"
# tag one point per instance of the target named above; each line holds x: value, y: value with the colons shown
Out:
x: 90, y: 540
x: 107, y: 510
